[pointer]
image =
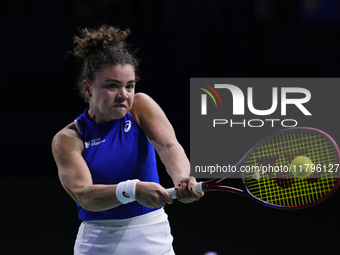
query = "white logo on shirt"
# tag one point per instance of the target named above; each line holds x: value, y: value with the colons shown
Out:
x: 94, y: 142
x: 87, y: 144
x: 127, y: 126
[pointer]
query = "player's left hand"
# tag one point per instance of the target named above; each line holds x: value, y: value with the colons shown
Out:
x: 185, y: 190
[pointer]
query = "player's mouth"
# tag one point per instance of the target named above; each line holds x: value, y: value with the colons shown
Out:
x: 120, y: 106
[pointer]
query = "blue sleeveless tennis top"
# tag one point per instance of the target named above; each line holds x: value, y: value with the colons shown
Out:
x: 116, y: 151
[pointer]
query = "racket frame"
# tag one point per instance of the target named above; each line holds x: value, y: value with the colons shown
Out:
x: 210, y: 185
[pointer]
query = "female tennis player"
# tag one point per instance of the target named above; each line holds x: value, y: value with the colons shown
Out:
x: 106, y: 157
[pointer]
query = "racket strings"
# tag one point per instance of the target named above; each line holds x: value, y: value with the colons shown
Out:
x: 278, y: 185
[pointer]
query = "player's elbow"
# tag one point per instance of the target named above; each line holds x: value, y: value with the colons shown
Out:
x: 89, y: 207
x: 88, y: 203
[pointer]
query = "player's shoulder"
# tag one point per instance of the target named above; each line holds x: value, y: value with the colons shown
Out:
x: 143, y: 106
x: 141, y: 98
x: 143, y: 101
x: 70, y: 131
x: 67, y: 138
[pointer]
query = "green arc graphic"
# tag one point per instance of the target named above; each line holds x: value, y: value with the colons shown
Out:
x: 209, y: 95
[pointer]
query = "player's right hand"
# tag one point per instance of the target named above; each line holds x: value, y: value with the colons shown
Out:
x: 152, y: 194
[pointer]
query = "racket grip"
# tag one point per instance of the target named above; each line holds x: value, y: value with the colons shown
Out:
x: 198, y: 188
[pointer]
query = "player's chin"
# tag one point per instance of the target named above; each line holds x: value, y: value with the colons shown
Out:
x: 120, y: 112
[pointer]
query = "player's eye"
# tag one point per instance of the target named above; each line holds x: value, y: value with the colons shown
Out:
x: 112, y: 85
x: 130, y: 86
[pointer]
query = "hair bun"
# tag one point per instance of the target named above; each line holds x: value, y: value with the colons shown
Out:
x: 100, y: 39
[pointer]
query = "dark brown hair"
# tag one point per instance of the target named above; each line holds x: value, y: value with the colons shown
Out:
x: 101, y: 47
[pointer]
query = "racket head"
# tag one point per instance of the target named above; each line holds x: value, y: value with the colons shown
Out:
x: 282, y: 189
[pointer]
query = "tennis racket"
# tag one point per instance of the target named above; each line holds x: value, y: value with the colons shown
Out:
x: 278, y: 186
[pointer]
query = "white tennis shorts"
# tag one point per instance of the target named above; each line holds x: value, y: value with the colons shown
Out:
x: 147, y: 234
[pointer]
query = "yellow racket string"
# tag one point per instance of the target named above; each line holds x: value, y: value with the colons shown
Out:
x: 278, y: 185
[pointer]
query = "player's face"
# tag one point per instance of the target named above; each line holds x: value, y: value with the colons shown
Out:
x: 112, y: 92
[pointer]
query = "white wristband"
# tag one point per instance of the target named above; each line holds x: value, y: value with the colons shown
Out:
x: 125, y: 191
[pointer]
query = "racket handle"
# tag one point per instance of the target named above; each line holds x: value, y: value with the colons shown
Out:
x: 198, y: 188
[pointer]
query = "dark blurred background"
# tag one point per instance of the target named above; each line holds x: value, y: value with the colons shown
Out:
x: 177, y: 40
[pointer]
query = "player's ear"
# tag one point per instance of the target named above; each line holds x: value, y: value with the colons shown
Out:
x: 87, y: 88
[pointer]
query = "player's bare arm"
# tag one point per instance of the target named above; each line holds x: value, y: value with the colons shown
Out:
x: 160, y: 132
x: 75, y: 177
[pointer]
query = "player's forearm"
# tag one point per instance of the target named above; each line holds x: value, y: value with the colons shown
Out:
x: 175, y: 161
x: 98, y: 197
